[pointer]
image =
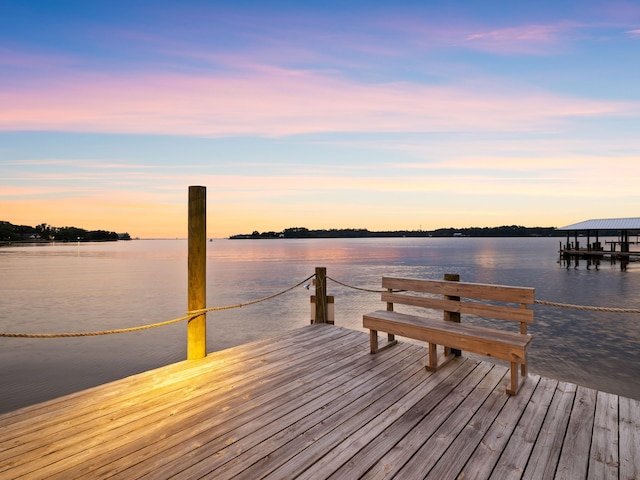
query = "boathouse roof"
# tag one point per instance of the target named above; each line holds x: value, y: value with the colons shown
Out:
x: 606, y: 224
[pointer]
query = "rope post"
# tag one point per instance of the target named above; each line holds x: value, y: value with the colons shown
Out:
x: 197, y: 266
x: 452, y: 316
x: 321, y: 295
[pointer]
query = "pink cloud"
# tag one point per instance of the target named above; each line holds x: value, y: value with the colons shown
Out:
x: 528, y: 39
x: 276, y: 102
x: 620, y: 12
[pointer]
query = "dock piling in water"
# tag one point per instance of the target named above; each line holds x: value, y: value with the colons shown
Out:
x: 197, y: 276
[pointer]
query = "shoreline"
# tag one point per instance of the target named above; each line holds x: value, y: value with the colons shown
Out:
x: 16, y: 243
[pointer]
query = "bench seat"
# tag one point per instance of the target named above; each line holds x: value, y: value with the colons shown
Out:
x: 509, y: 346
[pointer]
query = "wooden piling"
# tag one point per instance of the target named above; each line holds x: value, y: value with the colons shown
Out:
x: 321, y: 295
x: 197, y: 272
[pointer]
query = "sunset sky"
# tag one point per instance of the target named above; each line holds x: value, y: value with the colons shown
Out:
x: 318, y: 114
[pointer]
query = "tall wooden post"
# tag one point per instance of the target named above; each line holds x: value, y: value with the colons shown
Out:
x: 452, y: 316
x: 321, y: 295
x: 197, y: 266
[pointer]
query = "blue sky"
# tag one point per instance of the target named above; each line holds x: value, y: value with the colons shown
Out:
x: 378, y: 115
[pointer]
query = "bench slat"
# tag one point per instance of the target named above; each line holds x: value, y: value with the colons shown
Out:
x: 490, y: 342
x: 494, y: 311
x: 501, y: 293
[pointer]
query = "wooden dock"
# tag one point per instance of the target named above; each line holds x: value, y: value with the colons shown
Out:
x: 313, y: 403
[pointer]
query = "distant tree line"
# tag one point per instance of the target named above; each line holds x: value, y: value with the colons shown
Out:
x: 504, y: 231
x: 46, y: 233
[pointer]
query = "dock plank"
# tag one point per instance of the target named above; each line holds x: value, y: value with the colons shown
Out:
x: 574, y: 456
x: 487, y: 453
x: 240, y: 451
x: 603, y: 459
x: 313, y: 403
x: 428, y: 454
x: 629, y: 429
x: 136, y: 424
x: 288, y: 442
x: 452, y: 462
x: 408, y: 432
x: 546, y: 452
x: 516, y: 453
x: 233, y: 404
x: 384, y: 410
x: 64, y: 413
x: 437, y: 404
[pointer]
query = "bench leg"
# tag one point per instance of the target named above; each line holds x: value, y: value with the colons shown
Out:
x: 515, y: 381
x: 433, y: 357
x: 436, y: 361
x: 373, y: 340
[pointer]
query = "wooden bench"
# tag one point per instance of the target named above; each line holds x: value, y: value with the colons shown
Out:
x: 455, y: 298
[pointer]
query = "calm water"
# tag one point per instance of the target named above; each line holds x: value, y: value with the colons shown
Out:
x: 66, y: 288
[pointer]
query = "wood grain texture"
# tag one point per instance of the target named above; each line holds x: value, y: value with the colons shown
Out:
x: 486, y: 341
x: 314, y: 403
x: 500, y: 293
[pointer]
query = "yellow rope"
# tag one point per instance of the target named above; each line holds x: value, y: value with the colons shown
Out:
x: 584, y: 307
x: 190, y: 315
x: 91, y: 334
x: 195, y: 313
x: 355, y: 288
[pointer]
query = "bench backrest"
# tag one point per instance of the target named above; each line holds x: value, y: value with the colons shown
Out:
x: 513, y: 301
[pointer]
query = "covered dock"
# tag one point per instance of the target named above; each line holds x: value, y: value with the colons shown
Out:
x: 596, y: 239
x: 313, y: 403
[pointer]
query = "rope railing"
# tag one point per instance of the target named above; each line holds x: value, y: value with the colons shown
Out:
x: 355, y: 288
x: 97, y: 333
x: 586, y: 307
x: 188, y: 316
x: 196, y: 313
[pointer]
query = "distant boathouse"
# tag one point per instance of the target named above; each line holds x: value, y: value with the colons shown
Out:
x: 584, y: 241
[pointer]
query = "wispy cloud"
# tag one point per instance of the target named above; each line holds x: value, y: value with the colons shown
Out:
x: 78, y: 163
x: 279, y: 102
x: 525, y: 39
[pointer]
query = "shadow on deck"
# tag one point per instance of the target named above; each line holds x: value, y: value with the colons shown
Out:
x: 313, y: 403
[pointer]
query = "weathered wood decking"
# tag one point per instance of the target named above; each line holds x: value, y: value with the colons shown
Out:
x: 313, y: 403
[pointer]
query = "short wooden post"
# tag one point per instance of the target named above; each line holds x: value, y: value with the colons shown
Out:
x: 197, y: 272
x: 321, y: 295
x: 452, y: 316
